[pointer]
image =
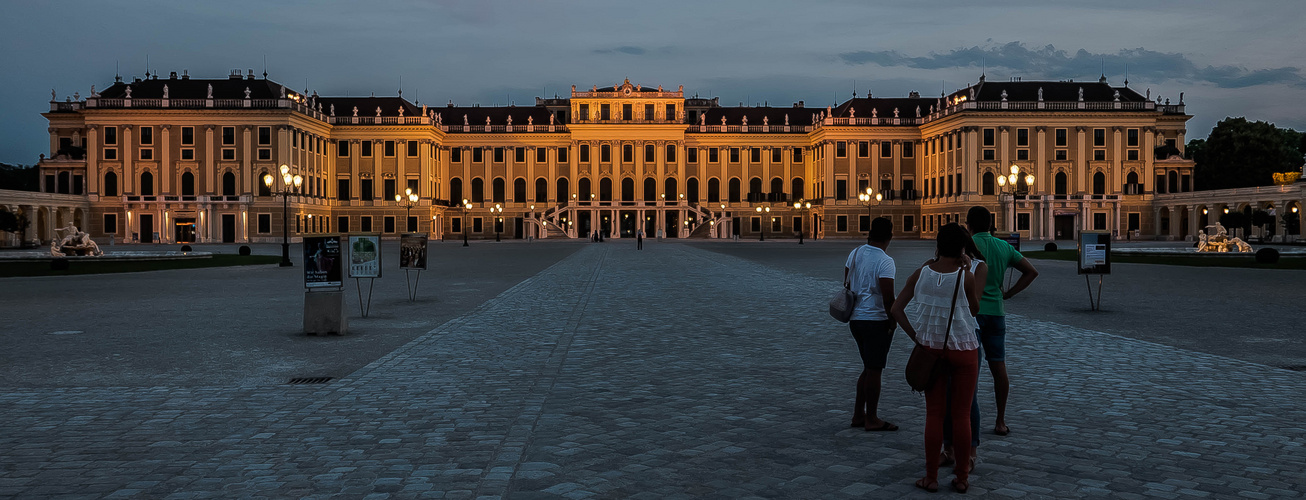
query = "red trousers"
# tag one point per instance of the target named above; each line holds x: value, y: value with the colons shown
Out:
x: 964, y: 373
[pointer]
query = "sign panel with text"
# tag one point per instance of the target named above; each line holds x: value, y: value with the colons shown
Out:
x: 1094, y: 252
x: 322, y: 262
x: 364, y: 256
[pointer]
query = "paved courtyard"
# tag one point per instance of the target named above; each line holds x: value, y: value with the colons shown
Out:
x: 597, y: 371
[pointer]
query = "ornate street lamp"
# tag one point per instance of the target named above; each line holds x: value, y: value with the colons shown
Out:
x: 803, y: 208
x: 498, y: 220
x: 408, y: 200
x: 287, y: 181
x: 869, y: 201
x: 761, y: 235
x: 1007, y: 185
x: 465, y: 206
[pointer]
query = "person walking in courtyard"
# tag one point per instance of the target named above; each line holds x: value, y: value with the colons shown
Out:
x: 998, y: 255
x: 869, y: 272
x: 937, y: 310
x: 639, y: 239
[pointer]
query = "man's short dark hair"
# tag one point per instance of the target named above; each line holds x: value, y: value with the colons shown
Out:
x: 881, y: 229
x: 979, y: 220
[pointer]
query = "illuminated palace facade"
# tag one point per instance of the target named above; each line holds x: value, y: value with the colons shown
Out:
x: 183, y: 160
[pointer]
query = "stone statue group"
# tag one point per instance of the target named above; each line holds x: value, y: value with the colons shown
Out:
x: 1220, y: 241
x: 72, y: 241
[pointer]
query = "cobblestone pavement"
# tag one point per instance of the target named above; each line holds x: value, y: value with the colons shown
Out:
x: 671, y: 372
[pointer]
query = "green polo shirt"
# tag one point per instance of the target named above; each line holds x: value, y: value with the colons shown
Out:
x: 998, y: 255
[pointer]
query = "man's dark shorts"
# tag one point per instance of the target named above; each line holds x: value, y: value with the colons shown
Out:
x: 873, y: 341
x: 993, y: 337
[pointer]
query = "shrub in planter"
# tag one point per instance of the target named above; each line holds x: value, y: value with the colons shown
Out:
x: 244, y: 249
x: 185, y: 248
x: 1267, y: 256
x: 59, y: 265
x: 1050, y: 247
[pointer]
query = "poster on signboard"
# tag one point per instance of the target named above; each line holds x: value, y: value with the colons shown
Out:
x: 364, y: 256
x: 322, y: 261
x: 412, y: 251
x: 1013, y: 239
x: 1094, y: 252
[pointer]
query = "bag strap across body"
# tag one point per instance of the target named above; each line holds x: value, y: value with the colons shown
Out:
x: 953, y: 309
x: 847, y: 280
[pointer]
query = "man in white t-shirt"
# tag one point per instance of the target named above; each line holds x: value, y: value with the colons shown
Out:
x: 869, y: 272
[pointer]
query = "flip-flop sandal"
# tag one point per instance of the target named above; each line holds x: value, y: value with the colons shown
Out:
x: 1002, y: 432
x: 960, y: 486
x: 932, y: 486
x: 886, y: 426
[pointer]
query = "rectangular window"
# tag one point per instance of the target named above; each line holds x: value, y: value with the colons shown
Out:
x: 1022, y: 222
x: 909, y: 223
x: 389, y: 223
x: 188, y: 136
x: 1061, y: 155
x: 605, y: 153
x: 584, y: 153
x: 650, y: 153
x: 691, y: 155
x: 365, y: 224
x: 627, y: 113
x: 671, y: 112
x: 147, y: 136
x: 605, y: 112
x: 478, y: 155
x: 265, y: 136
x: 841, y: 223
x: 342, y: 189
x: 908, y: 149
x: 294, y: 139
x: 265, y: 153
x: 1022, y: 154
x: 777, y: 155
x: 365, y: 189
x: 989, y: 139
x: 840, y: 149
x: 477, y: 225
x: 649, y: 113
x: 755, y: 224
x: 389, y: 189
x: 228, y: 136
x: 1135, y: 221
x: 886, y: 149
x: 562, y: 155
x: 713, y: 155
x: 798, y: 155
x: 1099, y: 155
x: 671, y: 153
x: 990, y: 154
x: 584, y: 112
x: 627, y: 153
x: 755, y: 155
x: 1099, y: 137
x: 342, y: 224
x: 863, y: 149
x: 1022, y: 137
x: 455, y: 155
x: 1132, y: 135
x: 389, y: 149
x: 734, y: 155
x: 498, y: 155
x: 412, y: 224
x: 147, y: 153
x: 1132, y: 155
x: 111, y: 223
x: 541, y: 155
x: 187, y: 154
x: 110, y: 136
x: 365, y: 149
x: 264, y: 223
x: 412, y: 149
x: 456, y: 224
x: 841, y: 189
x: 229, y: 154
x: 342, y: 148
x: 1061, y: 137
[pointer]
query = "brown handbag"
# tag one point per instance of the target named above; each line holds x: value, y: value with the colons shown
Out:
x: 924, y: 367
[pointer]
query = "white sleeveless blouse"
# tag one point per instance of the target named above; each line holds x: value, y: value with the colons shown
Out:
x: 928, y: 312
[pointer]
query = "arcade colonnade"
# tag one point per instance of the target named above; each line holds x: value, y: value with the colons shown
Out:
x: 45, y: 212
x: 1181, y: 216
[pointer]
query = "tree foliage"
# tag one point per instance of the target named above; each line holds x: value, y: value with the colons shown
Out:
x: 1241, y: 153
x: 13, y: 223
x: 19, y: 178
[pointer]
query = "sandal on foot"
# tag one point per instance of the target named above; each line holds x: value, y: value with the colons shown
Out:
x: 859, y: 422
x: 946, y: 458
x: 960, y: 486
x: 1002, y: 431
x: 884, y: 426
x: 931, y: 486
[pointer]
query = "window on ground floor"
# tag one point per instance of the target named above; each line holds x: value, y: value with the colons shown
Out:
x: 841, y: 223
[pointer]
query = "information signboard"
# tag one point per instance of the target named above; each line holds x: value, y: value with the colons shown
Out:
x: 364, y: 256
x: 1094, y: 252
x: 1013, y: 239
x: 412, y: 251
x: 322, y: 263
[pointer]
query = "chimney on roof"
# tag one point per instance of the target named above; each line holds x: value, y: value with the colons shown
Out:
x: 251, y: 74
x: 800, y: 104
x: 914, y: 95
x: 185, y: 74
x: 235, y: 74
x: 172, y: 75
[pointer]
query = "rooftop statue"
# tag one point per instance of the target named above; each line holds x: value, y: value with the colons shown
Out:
x: 210, y: 95
x: 165, y: 91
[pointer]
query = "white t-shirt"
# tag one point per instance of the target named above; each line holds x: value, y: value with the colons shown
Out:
x: 866, y: 265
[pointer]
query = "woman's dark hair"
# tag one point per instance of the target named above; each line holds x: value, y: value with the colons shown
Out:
x: 952, y: 240
x: 971, y: 249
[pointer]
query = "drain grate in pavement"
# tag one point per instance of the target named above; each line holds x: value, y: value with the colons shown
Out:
x: 1296, y: 368
x: 309, y: 380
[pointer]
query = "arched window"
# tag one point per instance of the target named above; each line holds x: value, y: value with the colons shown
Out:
x: 519, y: 190
x: 564, y: 191
x: 1059, y: 185
x: 988, y: 181
x: 583, y: 189
x: 797, y: 188
x: 187, y: 184
x: 1099, y: 183
x: 713, y: 190
x: 1132, y: 178
x: 605, y: 189
x: 111, y: 184
x: 755, y: 188
x: 777, y: 186
x: 650, y: 189
x: 455, y: 190
x: 147, y: 184
x: 671, y: 189
x: 734, y: 190
x: 691, y: 190
x: 627, y: 189
x: 541, y: 190
x: 478, y: 190
x: 229, y: 184
x: 499, y: 196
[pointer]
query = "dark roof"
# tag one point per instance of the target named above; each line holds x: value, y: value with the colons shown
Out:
x: 1052, y: 91
x: 498, y: 115
x: 196, y: 89
x: 367, y: 106
x: 776, y: 116
x: 867, y: 107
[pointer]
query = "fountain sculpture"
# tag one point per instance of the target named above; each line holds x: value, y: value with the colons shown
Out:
x: 73, y: 242
x: 1220, y: 241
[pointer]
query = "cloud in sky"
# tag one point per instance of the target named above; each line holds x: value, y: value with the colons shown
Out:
x: 624, y: 49
x: 1050, y: 62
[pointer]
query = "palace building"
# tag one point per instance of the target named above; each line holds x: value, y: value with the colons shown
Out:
x: 182, y: 159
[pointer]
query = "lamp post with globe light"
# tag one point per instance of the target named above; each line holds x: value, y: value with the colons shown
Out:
x: 464, y: 207
x: 763, y: 210
x: 498, y: 219
x: 287, y: 181
x: 408, y: 200
x: 1007, y: 184
x: 869, y: 201
x: 803, y: 208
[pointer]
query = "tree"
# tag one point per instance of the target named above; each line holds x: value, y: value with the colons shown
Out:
x: 13, y: 223
x: 1235, y: 220
x: 1291, y: 223
x: 19, y: 178
x: 1262, y: 219
x: 1240, y: 153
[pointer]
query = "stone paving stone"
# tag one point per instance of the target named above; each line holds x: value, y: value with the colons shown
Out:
x: 668, y: 373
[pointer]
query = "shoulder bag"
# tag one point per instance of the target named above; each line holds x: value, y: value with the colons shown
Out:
x: 843, y: 301
x: 925, y: 366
